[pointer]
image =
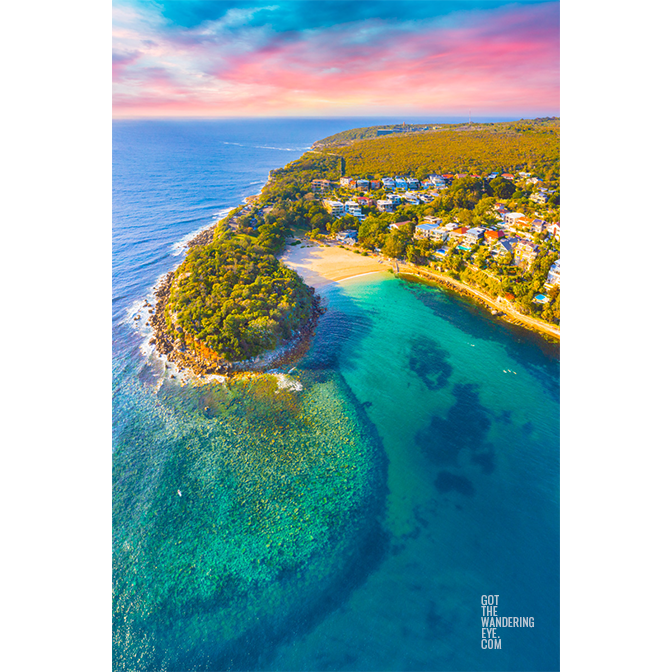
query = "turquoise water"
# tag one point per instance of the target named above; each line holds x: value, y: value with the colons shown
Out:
x: 345, y: 514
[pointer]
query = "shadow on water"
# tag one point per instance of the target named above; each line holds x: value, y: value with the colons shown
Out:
x: 344, y: 322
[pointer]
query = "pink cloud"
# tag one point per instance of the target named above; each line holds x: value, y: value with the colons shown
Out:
x: 493, y: 63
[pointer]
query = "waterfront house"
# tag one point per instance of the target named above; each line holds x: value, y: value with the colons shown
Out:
x: 348, y: 237
x: 424, y: 230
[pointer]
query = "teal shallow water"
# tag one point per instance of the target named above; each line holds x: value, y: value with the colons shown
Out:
x: 352, y: 519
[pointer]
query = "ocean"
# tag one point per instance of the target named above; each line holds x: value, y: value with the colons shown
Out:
x: 349, y: 513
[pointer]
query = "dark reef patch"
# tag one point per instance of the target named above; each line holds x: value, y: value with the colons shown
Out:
x: 465, y: 425
x: 448, y: 482
x: 486, y: 461
x: 428, y: 360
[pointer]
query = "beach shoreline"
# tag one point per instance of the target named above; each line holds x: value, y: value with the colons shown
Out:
x: 322, y: 264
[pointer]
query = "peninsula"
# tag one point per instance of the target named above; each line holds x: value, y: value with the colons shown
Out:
x: 475, y: 208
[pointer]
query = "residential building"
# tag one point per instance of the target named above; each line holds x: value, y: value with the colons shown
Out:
x: 349, y: 236
x: 430, y: 219
x: 385, y: 205
x: 399, y: 225
x: 413, y: 183
x: 353, y: 208
x: 320, y: 186
x: 336, y: 208
x: 525, y: 253
x: 437, y: 181
x: 492, y: 236
x: 363, y: 184
x: 553, y: 277
x: 424, y: 230
x: 539, y: 197
x: 400, y: 183
x: 504, y: 247
x: 473, y: 235
x: 511, y: 218
x: 389, y: 183
x: 555, y: 229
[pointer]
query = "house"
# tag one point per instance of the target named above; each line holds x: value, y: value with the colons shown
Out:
x: 553, y: 277
x: 349, y: 236
x: 365, y: 201
x: 320, y: 186
x: 539, y: 197
x: 492, y: 236
x: 424, y: 230
x: 505, y: 246
x: 400, y: 183
x: 439, y: 234
x: 363, y: 184
x: 508, y: 176
x: 427, y: 184
x: 437, y: 181
x: 398, y: 225
x: 538, y: 225
x: 473, y: 235
x: 511, y: 218
x: 347, y: 182
x: 411, y: 198
x: 413, y: 183
x: 555, y: 229
x: 430, y: 219
x: 385, y: 205
x: 458, y: 232
x: 525, y: 253
x: 389, y: 183
x: 336, y: 208
x: 353, y: 208
x: 375, y: 184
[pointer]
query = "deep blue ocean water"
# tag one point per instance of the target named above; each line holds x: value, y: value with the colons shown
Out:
x: 344, y: 515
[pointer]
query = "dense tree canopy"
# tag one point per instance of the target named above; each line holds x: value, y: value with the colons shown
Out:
x: 234, y: 297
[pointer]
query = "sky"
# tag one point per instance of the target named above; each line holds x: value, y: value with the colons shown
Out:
x: 320, y: 58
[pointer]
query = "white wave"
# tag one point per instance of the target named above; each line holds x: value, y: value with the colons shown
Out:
x: 284, y: 382
x: 179, y: 247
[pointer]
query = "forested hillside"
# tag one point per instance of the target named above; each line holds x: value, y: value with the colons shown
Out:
x: 480, y: 149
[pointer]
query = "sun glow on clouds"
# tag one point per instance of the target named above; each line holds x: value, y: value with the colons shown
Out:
x: 499, y: 61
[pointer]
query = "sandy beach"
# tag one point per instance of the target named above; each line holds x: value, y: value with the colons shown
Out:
x: 320, y: 265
